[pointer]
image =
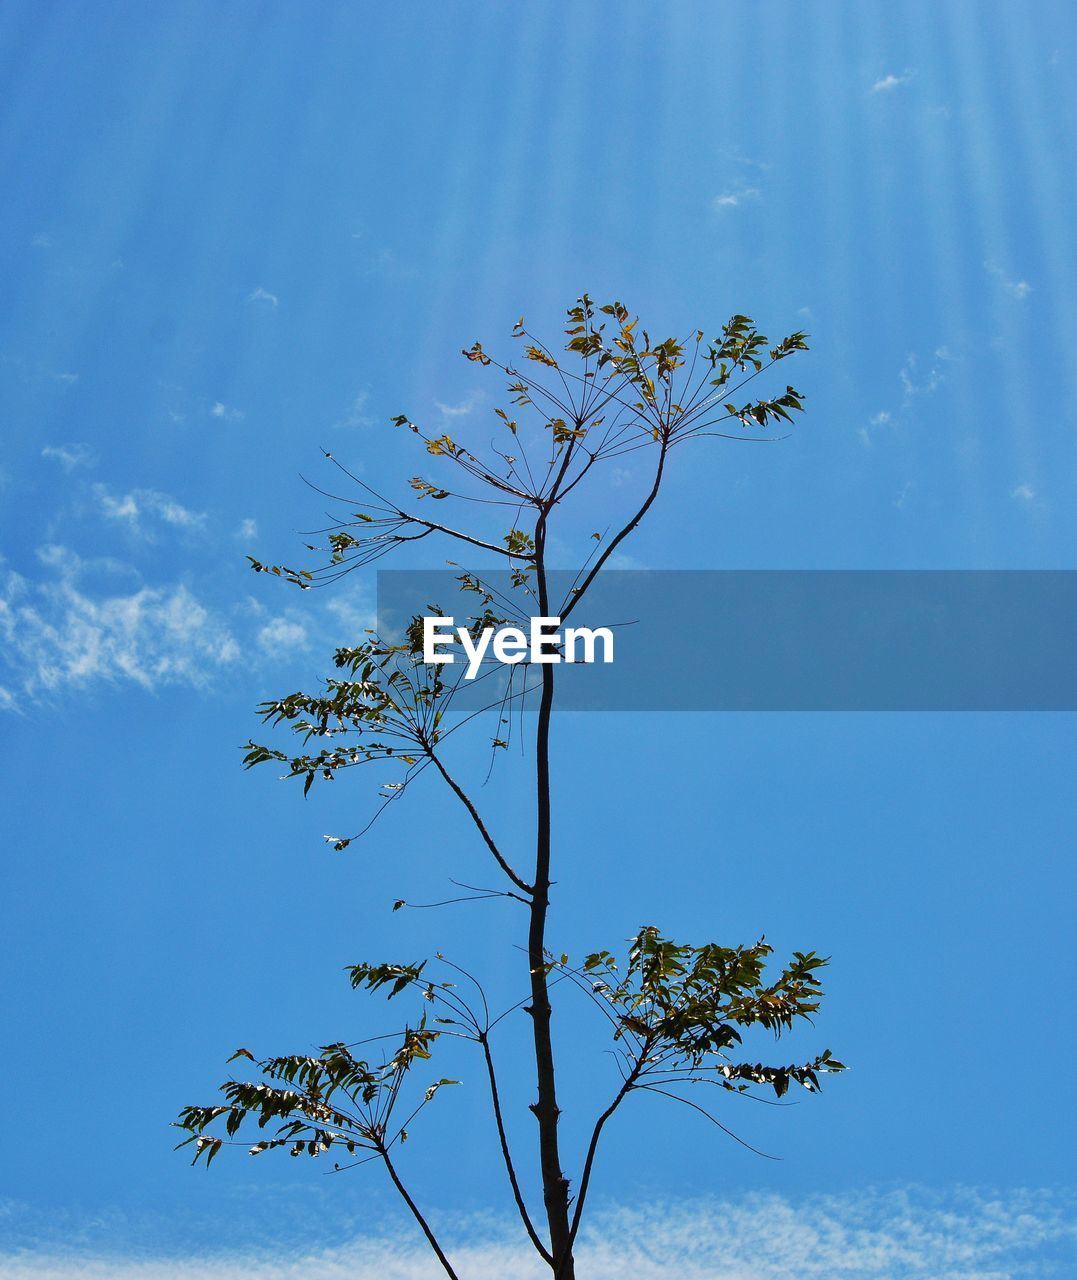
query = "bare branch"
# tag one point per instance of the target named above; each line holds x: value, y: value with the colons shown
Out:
x: 704, y: 1112
x: 465, y: 537
x: 596, y: 568
x: 626, y: 1088
x: 510, y: 1168
x: 424, y: 1225
x: 516, y: 879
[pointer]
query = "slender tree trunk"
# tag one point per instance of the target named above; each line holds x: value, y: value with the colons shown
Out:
x: 554, y: 1182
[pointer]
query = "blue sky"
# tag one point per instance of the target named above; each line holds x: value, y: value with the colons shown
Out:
x: 231, y: 237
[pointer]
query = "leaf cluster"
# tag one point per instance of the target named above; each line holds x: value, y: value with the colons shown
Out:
x: 680, y: 1009
x: 314, y: 1103
x: 614, y: 390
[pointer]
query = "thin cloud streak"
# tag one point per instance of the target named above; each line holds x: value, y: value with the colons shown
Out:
x: 70, y: 456
x: 465, y: 407
x: 1019, y: 289
x: 225, y: 412
x: 890, y: 82
x: 357, y: 415
x: 735, y: 196
x: 134, y: 506
x: 915, y: 383
x: 877, y: 421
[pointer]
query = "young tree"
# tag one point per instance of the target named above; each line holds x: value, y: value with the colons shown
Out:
x: 676, y: 1012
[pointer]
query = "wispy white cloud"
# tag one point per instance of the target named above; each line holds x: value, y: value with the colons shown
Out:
x: 622, y: 560
x: 356, y: 416
x: 247, y: 529
x: 1019, y: 289
x: 1023, y: 493
x: 68, y: 630
x: 263, y: 295
x: 135, y: 506
x: 70, y: 456
x: 225, y: 412
x: 866, y: 1235
x: 466, y: 406
x: 918, y: 381
x: 890, y: 82
x: 749, y: 162
x: 876, y: 423
x: 352, y: 611
x: 389, y: 265
x: 77, y: 624
x: 283, y: 636
x: 734, y: 196
x: 902, y: 500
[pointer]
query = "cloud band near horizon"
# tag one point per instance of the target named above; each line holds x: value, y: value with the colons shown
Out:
x: 912, y: 1234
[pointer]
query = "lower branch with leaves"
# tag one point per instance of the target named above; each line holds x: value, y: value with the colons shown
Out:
x: 675, y: 1015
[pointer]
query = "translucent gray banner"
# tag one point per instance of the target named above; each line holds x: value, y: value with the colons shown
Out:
x: 780, y: 640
